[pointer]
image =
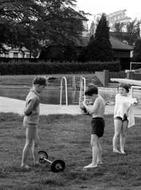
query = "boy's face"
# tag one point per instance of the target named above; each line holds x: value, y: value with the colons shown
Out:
x: 122, y: 91
x: 40, y: 88
x: 92, y: 98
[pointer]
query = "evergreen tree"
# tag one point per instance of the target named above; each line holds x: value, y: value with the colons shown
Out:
x: 102, y: 30
x: 99, y: 47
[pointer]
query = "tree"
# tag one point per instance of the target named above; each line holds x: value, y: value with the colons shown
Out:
x: 133, y: 29
x: 99, y: 47
x: 37, y: 23
x: 137, y: 51
x: 102, y: 30
x: 118, y: 27
x: 59, y: 53
x: 92, y: 28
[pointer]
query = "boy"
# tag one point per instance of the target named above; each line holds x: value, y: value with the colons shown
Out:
x: 97, y: 124
x: 31, y: 119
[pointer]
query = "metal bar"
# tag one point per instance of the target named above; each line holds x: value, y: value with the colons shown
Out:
x: 66, y: 90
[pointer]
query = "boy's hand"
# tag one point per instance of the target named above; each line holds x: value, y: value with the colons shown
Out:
x: 82, y: 107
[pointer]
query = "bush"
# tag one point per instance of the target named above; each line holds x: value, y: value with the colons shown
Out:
x: 40, y: 67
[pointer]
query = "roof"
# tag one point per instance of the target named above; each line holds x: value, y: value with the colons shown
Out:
x: 117, y: 44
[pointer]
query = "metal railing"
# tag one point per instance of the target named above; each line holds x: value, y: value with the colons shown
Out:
x: 61, y: 90
x: 82, y: 89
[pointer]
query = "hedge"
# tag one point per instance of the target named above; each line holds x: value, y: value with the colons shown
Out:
x: 27, y: 67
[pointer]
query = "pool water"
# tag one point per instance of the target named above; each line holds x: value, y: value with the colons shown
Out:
x: 51, y: 95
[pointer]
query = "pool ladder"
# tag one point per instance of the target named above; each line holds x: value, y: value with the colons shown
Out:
x: 61, y: 90
x: 82, y: 89
x: 81, y: 92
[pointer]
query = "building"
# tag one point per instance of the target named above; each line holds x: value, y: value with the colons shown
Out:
x: 121, y: 52
x: 16, y: 53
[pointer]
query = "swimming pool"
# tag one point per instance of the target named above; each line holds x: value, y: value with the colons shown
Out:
x: 51, y: 94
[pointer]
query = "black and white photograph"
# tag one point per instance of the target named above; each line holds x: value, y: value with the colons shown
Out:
x: 70, y: 95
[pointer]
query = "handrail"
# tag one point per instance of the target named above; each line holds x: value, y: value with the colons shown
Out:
x: 61, y: 90
x: 134, y: 87
x: 82, y: 88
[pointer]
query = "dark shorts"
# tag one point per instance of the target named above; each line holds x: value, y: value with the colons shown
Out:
x: 98, y: 125
x: 124, y: 118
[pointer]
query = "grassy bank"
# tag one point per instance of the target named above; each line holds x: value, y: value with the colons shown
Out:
x: 67, y: 137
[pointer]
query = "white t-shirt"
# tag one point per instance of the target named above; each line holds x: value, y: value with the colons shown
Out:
x: 123, y: 106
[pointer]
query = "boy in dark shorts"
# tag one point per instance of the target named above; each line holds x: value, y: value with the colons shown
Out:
x: 96, y: 110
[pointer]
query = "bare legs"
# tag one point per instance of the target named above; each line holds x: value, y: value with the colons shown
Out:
x: 96, y: 152
x: 123, y: 135
x: 99, y: 157
x: 120, y: 133
x: 31, y: 136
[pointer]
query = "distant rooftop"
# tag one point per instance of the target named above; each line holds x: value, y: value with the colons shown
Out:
x: 116, y: 44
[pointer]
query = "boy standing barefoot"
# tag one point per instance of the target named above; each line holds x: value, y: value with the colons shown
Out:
x: 97, y: 124
x: 31, y: 120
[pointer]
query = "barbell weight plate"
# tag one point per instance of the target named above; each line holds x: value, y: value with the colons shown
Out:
x: 58, y: 166
x: 42, y: 156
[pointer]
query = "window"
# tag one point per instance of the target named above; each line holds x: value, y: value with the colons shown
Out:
x: 27, y: 55
x: 6, y: 54
x: 15, y: 55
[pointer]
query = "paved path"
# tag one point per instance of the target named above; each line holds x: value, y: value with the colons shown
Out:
x: 17, y: 106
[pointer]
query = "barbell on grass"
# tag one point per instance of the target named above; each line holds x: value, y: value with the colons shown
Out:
x: 56, y: 165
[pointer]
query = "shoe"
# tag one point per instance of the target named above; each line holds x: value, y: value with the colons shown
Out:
x: 90, y: 166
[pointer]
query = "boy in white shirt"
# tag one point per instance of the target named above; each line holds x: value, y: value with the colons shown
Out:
x: 96, y: 110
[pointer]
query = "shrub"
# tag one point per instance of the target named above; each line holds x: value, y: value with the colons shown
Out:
x: 40, y: 67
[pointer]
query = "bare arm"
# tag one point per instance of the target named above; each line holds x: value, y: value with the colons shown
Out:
x: 91, y: 109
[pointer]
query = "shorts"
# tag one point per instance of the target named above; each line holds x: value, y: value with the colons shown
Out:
x: 97, y: 125
x: 120, y: 118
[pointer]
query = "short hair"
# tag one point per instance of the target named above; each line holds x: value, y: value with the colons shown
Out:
x: 125, y: 86
x: 90, y: 85
x: 91, y: 90
x: 40, y: 81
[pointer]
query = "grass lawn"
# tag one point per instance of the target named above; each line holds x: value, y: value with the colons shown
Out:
x: 67, y: 137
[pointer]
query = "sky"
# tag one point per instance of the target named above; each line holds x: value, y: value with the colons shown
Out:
x: 133, y: 7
